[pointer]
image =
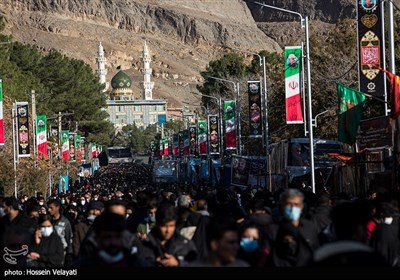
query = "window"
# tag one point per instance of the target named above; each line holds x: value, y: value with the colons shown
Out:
x: 137, y: 108
x: 153, y: 119
x: 120, y: 109
x: 161, y: 108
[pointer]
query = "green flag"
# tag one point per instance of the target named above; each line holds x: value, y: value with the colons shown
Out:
x: 350, y: 104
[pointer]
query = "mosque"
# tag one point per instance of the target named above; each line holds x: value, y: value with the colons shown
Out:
x: 123, y: 105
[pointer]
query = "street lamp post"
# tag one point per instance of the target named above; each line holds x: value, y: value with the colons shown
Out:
x: 236, y: 90
x: 304, y: 24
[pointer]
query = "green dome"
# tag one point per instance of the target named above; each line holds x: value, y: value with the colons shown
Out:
x: 121, y: 80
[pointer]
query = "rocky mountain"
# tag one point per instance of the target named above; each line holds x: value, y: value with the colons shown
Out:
x: 182, y: 35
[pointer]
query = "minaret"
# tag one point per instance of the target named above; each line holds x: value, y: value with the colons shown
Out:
x: 101, y: 66
x: 147, y: 85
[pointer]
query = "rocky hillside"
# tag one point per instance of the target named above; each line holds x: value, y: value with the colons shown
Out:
x: 182, y: 35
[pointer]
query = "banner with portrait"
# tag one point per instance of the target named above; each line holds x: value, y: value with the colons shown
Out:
x: 23, y: 129
x: 293, y: 68
x: 255, y: 116
x: 65, y: 145
x: 240, y: 171
x: 230, y: 124
x: 370, y: 47
x: 213, y: 125
x: 41, y: 137
x: 78, y: 148
x: 166, y: 149
x: 193, y: 139
x: 186, y: 142
x: 175, y: 144
x: 202, y: 136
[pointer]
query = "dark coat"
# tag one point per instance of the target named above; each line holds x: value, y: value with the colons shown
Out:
x: 183, y: 249
x: 51, y: 251
x: 307, y: 242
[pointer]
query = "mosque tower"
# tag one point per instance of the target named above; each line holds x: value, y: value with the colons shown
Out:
x: 147, y: 85
x: 101, y: 66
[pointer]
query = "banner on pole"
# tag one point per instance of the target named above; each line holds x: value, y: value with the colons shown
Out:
x: 254, y: 91
x: 230, y: 124
x: 202, y: 136
x: 193, y: 140
x: 41, y: 137
x: 23, y: 129
x: 65, y: 145
x: 293, y: 68
x: 213, y: 124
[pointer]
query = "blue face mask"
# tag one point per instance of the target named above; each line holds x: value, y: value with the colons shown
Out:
x: 293, y: 213
x: 249, y: 245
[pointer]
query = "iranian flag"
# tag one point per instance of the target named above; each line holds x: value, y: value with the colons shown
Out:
x: 161, y: 147
x: 294, y: 113
x: 65, y: 144
x: 41, y: 137
x: 166, y: 147
x: 94, y: 150
x: 202, y: 136
x: 1, y: 115
x: 230, y: 124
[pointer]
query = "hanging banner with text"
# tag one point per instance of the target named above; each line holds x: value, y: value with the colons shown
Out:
x: 175, y: 144
x: 23, y: 129
x: 254, y: 91
x: 370, y: 47
x: 294, y: 113
x: 213, y: 124
x: 230, y: 124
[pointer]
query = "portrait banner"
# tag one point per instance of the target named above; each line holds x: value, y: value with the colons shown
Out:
x: 175, y: 144
x: 65, y: 145
x: 166, y: 150
x: 230, y: 124
x: 370, y: 47
x: 193, y: 139
x: 41, y: 137
x: 240, y: 171
x: 213, y: 125
x: 255, y: 117
x: 23, y: 129
x: 78, y: 148
x: 293, y: 68
x: 186, y: 142
x: 202, y: 136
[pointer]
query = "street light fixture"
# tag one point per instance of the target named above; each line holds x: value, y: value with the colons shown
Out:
x: 304, y: 24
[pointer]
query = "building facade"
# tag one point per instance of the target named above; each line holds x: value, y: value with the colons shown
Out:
x: 122, y: 105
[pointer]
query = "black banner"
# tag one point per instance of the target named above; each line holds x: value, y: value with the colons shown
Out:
x: 370, y: 47
x: 193, y: 139
x: 213, y: 124
x: 23, y: 129
x: 255, y: 116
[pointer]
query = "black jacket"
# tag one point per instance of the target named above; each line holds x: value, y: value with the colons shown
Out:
x: 51, y: 251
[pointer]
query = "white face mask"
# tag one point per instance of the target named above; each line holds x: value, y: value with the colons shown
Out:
x: 41, y: 203
x: 388, y: 220
x: 110, y: 258
x: 91, y: 217
x: 83, y: 202
x: 74, y: 203
x: 46, y: 231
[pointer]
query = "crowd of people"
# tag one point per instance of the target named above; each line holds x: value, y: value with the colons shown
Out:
x: 120, y: 218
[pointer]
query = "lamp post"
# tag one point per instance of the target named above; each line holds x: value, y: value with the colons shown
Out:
x: 304, y: 24
x: 236, y: 90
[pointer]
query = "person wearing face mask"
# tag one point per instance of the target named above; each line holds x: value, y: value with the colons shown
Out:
x: 47, y: 250
x: 95, y: 208
x: 384, y: 237
x: 253, y: 248
x: 108, y: 231
x: 293, y: 239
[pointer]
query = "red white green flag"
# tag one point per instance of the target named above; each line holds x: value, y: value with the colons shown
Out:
x: 41, y: 137
x: 230, y: 124
x: 1, y: 115
x: 294, y: 113
x: 65, y: 144
x: 94, y: 150
x: 166, y: 146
